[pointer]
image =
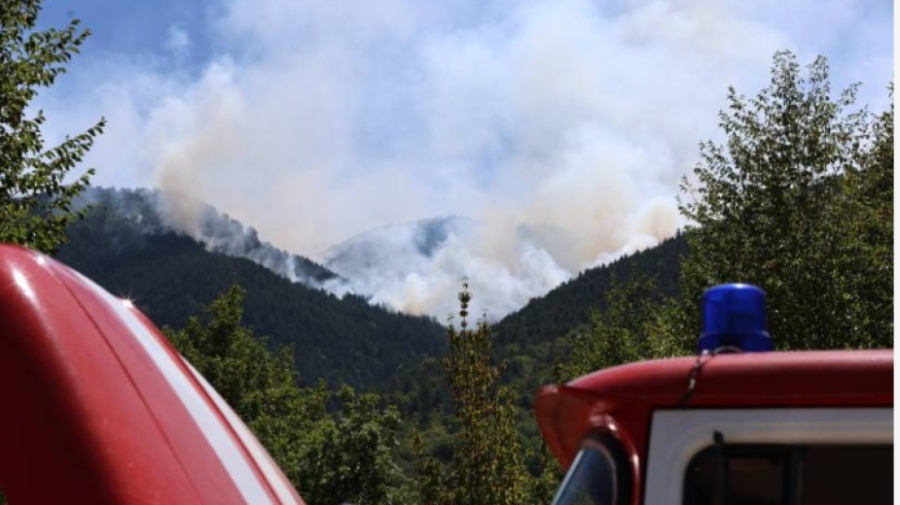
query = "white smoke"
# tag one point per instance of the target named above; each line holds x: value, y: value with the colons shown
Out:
x: 151, y: 212
x: 561, y: 127
x: 419, y: 268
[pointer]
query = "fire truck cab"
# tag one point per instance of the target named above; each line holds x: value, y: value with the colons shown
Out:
x: 736, y: 424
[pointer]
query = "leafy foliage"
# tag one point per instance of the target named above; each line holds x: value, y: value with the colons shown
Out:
x: 35, y: 199
x: 533, y: 340
x: 630, y: 329
x: 796, y: 202
x: 570, y: 305
x: 865, y: 214
x: 331, y: 459
x: 487, y: 466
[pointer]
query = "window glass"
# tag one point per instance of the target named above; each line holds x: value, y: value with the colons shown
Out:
x: 598, y: 476
x: 835, y: 475
x: 790, y: 475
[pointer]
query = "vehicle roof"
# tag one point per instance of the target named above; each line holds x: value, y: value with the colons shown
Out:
x: 859, y: 378
x: 100, y: 407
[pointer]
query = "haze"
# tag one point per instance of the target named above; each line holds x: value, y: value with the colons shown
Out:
x: 561, y: 127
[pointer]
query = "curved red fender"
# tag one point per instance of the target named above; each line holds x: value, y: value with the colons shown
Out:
x: 97, y: 407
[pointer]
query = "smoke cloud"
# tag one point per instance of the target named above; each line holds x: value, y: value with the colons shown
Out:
x: 560, y: 128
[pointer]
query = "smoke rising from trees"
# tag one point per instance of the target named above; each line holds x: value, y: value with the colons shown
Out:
x: 560, y: 127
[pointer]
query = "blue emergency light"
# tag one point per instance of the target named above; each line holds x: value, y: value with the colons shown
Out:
x: 734, y: 317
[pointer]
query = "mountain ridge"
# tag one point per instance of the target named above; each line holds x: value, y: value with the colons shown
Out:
x: 171, y: 277
x: 125, y: 244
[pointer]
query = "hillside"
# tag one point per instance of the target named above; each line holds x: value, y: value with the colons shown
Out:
x: 532, y: 339
x: 569, y: 305
x: 125, y: 246
x: 136, y: 212
x: 170, y: 277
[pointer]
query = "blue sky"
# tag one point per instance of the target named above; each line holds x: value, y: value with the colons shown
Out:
x: 136, y: 29
x: 317, y: 120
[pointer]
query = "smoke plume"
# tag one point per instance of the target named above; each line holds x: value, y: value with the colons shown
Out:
x: 559, y: 128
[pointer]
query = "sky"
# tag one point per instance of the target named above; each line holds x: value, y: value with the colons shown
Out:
x: 319, y: 120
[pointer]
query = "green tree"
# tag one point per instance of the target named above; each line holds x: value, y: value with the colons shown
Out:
x: 629, y: 329
x: 865, y: 214
x: 769, y: 207
x: 35, y: 198
x: 487, y: 466
x: 331, y: 458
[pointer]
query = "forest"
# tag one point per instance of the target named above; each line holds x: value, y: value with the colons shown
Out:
x: 797, y: 199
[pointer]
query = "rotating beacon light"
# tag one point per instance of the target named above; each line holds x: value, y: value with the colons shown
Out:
x: 734, y: 317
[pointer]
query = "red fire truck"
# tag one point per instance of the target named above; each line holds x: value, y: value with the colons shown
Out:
x: 737, y: 424
x: 98, y: 408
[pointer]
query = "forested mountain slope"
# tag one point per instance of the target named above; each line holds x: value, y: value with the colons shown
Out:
x: 569, y: 305
x: 171, y: 277
x: 533, y: 339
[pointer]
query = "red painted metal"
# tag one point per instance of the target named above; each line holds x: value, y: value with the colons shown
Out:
x: 622, y: 399
x: 99, y: 408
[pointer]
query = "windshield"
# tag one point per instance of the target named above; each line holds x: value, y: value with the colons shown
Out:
x: 597, y: 476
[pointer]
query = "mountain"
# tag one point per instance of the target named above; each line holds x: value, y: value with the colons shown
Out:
x: 569, y: 305
x: 531, y: 339
x: 535, y: 337
x: 412, y: 242
x: 403, y: 265
x: 128, y: 244
x: 148, y: 212
x: 418, y: 267
x: 124, y: 245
